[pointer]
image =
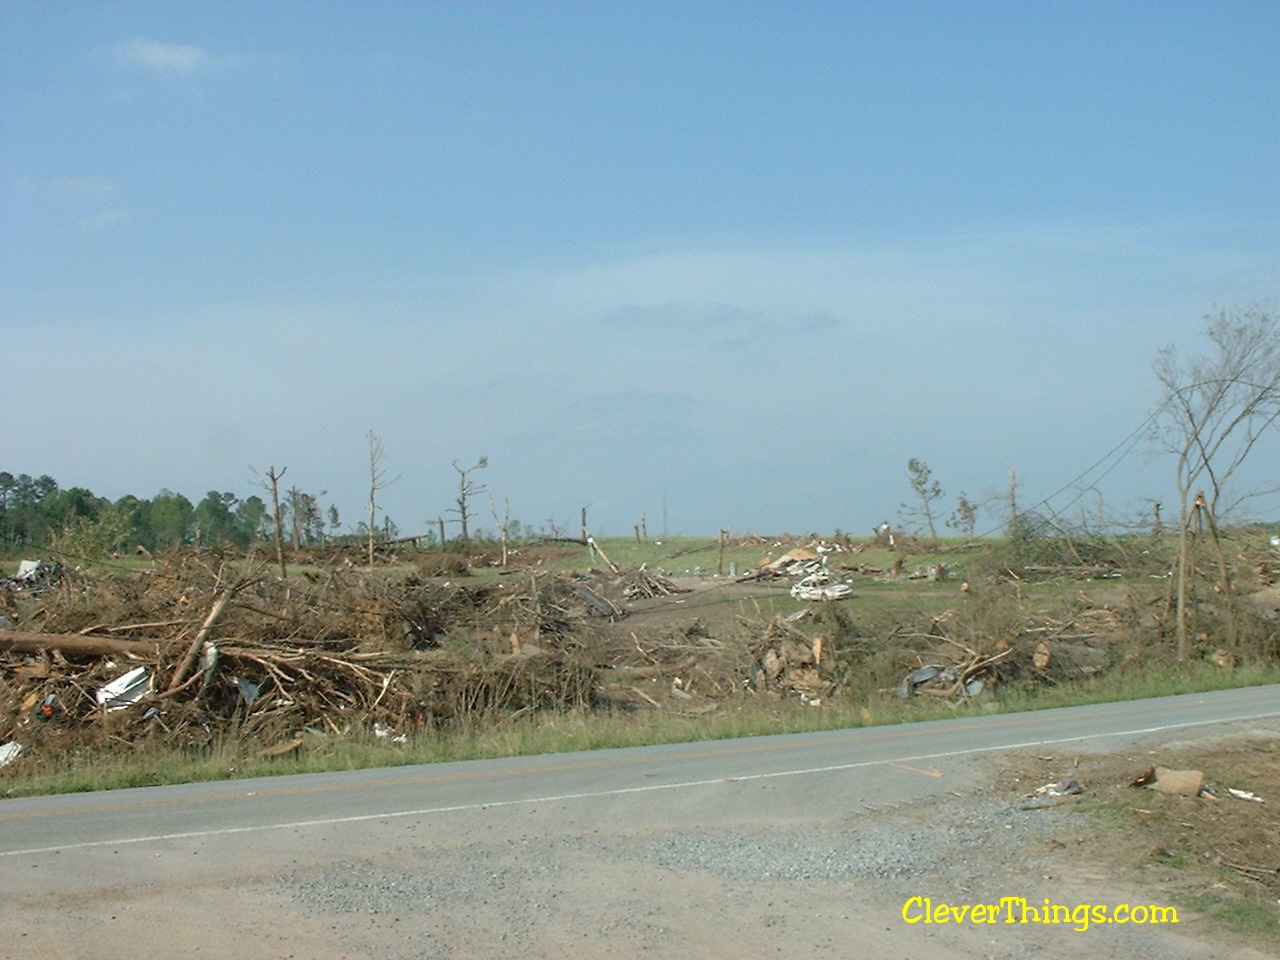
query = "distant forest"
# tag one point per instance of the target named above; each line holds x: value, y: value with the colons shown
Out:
x: 35, y: 513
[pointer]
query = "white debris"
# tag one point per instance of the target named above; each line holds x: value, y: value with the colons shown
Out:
x: 9, y: 752
x: 1245, y: 795
x: 126, y: 690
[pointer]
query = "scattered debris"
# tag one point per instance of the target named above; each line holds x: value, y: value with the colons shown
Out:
x: 966, y: 679
x: 213, y: 649
x: 645, y: 584
x: 1062, y: 788
x: 1183, y: 783
x: 33, y: 576
x: 1245, y: 795
x: 797, y: 561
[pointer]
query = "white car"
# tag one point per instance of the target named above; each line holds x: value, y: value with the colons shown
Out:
x: 821, y: 586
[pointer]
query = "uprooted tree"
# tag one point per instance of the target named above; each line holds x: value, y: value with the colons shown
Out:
x: 1216, y: 408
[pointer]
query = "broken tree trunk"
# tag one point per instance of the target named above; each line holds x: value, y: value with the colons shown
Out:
x: 193, y: 651
x: 591, y: 542
x: 74, y: 646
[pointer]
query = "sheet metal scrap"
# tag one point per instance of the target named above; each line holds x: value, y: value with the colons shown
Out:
x: 9, y: 752
x: 126, y: 690
x: 967, y: 679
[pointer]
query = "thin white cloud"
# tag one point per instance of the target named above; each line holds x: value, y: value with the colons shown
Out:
x: 96, y: 187
x: 102, y: 219
x: 172, y: 58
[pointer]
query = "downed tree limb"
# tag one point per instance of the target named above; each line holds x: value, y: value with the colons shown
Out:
x: 591, y: 542
x: 193, y: 651
x: 75, y: 646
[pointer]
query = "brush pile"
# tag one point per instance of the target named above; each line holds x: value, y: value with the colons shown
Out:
x: 190, y: 651
x: 199, y: 650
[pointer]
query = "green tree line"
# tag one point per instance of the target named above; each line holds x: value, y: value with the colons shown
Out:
x: 36, y: 513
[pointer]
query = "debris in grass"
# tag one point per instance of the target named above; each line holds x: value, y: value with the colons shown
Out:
x: 1062, y: 788
x: 1245, y: 795
x: 339, y: 648
x: 1184, y: 783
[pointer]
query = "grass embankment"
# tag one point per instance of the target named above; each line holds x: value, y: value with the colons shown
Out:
x: 109, y: 768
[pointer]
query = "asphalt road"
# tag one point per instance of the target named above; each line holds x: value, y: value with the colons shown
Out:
x: 873, y: 763
x: 562, y: 855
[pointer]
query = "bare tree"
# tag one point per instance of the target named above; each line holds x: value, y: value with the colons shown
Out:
x: 927, y: 491
x: 1216, y: 408
x: 271, y: 483
x: 377, y: 482
x: 467, y: 488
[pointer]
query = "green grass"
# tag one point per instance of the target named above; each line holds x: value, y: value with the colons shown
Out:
x: 1249, y: 921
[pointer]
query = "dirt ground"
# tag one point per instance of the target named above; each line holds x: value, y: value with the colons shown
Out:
x: 1216, y: 850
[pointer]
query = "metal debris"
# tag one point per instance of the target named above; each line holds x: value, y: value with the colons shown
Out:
x: 126, y: 690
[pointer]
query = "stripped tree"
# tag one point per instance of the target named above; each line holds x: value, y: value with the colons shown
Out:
x: 1216, y: 408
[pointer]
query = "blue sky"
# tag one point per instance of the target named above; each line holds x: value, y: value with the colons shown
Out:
x: 746, y: 258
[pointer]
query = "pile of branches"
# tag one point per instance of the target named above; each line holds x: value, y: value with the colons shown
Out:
x: 208, y: 654
x: 643, y: 584
x: 669, y: 669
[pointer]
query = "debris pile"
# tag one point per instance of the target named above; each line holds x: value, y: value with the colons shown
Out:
x: 966, y: 679
x: 644, y: 584
x: 790, y: 661
x: 187, y: 654
x: 33, y: 576
x: 199, y: 649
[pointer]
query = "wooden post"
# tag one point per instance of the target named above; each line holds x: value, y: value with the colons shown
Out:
x: 440, y: 523
x: 724, y: 535
x: 506, y: 523
x: 1013, y: 505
